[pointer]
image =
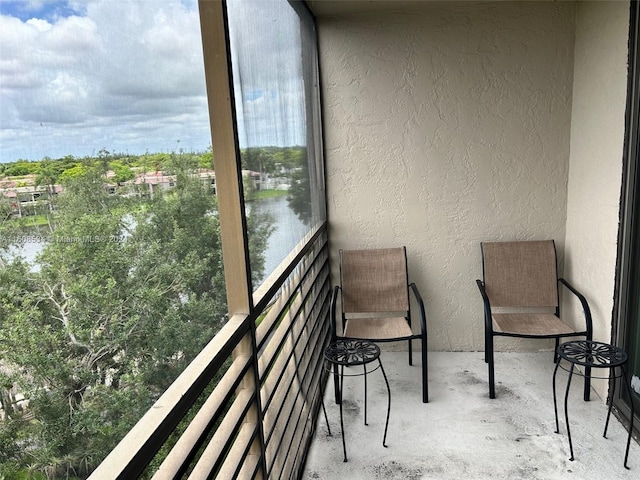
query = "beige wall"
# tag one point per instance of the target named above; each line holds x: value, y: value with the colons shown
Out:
x: 444, y: 127
x: 597, y: 137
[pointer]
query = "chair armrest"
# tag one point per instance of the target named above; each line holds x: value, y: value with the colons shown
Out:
x: 334, y: 301
x: 585, y: 306
x: 483, y: 292
x: 423, y: 316
x: 488, y: 324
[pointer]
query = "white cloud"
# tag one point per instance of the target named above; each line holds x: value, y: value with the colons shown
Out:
x: 120, y: 75
x: 40, y: 25
x: 268, y: 71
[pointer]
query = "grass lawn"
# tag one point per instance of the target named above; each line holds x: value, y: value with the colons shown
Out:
x: 260, y: 194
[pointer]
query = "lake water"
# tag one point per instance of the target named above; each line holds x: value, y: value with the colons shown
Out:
x: 289, y: 230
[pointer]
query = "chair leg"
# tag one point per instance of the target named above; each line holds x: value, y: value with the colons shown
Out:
x: 587, y: 377
x: 365, y: 392
x: 610, y: 398
x: 625, y: 379
x: 336, y: 384
x: 324, y: 410
x: 489, y: 355
x: 566, y: 410
x: 486, y: 344
x: 587, y: 384
x: 555, y: 402
x: 425, y: 372
x: 410, y: 353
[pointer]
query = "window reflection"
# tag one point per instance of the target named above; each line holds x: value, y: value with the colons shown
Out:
x: 273, y: 54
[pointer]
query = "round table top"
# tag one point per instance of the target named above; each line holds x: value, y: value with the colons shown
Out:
x: 349, y: 352
x: 592, y: 354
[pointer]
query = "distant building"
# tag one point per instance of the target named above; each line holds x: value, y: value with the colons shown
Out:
x: 29, y: 199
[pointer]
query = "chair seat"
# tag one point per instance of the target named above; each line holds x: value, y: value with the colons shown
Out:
x: 533, y: 324
x: 378, y: 328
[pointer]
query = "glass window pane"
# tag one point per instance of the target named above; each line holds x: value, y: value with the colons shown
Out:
x: 276, y: 92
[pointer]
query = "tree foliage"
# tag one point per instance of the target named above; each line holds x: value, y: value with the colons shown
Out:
x: 126, y: 294
x: 122, y: 172
x: 272, y: 160
x: 299, y: 196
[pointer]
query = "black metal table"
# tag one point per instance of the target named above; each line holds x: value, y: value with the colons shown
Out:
x: 592, y: 354
x: 352, y: 353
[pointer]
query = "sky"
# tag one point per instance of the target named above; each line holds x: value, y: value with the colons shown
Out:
x: 79, y: 76
x: 266, y: 54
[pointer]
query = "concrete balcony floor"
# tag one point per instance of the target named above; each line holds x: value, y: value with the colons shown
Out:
x: 461, y: 433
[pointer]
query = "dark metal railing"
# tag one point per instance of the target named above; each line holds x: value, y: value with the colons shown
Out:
x: 245, y: 407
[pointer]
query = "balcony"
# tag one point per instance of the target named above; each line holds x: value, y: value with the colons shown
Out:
x: 278, y: 430
x: 461, y: 433
x: 446, y: 123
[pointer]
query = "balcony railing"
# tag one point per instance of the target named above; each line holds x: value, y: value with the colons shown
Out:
x: 245, y: 407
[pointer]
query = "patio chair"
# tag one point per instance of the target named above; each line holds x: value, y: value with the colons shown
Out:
x: 520, y: 279
x: 375, y: 304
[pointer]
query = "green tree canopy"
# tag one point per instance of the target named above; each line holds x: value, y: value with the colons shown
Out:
x: 122, y: 172
x: 126, y: 294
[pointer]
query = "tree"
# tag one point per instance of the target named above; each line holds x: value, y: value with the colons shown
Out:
x: 48, y: 176
x: 206, y: 159
x: 78, y: 170
x: 122, y: 172
x: 125, y: 296
x: 20, y: 168
x: 6, y: 209
x: 299, y: 196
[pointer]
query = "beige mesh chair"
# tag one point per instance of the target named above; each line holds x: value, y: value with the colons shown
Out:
x: 375, y: 305
x: 520, y: 278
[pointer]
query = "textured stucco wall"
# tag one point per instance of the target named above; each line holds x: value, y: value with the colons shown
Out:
x: 597, y: 139
x: 444, y: 127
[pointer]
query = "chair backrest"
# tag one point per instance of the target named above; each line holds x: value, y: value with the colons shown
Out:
x: 520, y: 274
x: 374, y: 280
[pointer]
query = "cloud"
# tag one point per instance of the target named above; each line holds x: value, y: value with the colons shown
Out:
x: 76, y: 77
x: 270, y: 101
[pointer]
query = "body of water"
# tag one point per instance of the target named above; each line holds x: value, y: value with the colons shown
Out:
x: 288, y: 232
